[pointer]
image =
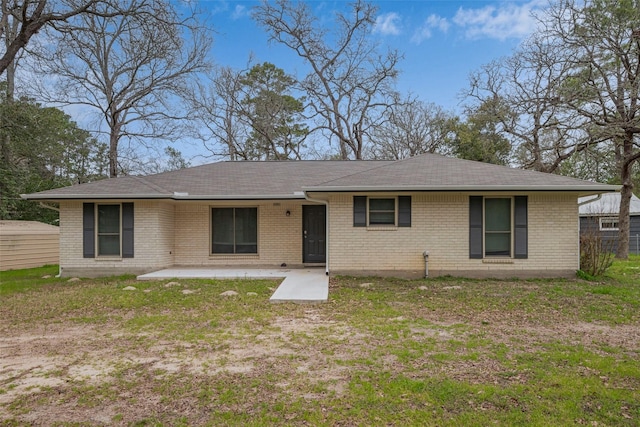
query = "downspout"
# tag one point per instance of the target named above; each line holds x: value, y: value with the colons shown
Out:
x: 326, y: 204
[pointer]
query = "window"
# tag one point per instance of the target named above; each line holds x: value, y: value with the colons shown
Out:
x: 382, y: 211
x: 375, y: 211
x: 497, y: 226
x: 234, y: 230
x: 609, y: 224
x: 108, y: 230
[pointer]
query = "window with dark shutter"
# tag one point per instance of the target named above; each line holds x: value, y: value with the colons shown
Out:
x: 498, y: 227
x: 381, y: 211
x: 107, y: 230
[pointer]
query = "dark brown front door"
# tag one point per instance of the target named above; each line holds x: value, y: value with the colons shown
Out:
x: 314, y: 234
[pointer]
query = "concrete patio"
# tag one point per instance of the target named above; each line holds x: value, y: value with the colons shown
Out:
x: 304, y: 285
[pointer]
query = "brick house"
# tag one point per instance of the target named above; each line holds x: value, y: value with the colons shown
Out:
x: 353, y: 217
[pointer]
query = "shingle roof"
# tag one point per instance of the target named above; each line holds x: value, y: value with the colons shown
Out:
x: 217, y: 180
x: 607, y: 204
x: 288, y: 179
x: 433, y: 172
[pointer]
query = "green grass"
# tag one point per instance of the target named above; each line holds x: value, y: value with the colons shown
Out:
x: 625, y: 271
x: 12, y: 281
x: 457, y: 352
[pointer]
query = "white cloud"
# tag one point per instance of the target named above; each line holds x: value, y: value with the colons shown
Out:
x: 216, y: 7
x: 438, y: 22
x: 239, y: 12
x: 387, y: 24
x: 426, y: 30
x: 509, y: 20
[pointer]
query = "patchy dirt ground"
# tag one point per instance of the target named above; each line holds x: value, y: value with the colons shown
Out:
x: 53, y: 373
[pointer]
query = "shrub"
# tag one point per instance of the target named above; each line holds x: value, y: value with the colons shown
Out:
x: 596, y: 254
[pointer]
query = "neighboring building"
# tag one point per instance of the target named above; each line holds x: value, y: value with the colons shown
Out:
x: 600, y: 215
x: 354, y: 217
x: 28, y: 244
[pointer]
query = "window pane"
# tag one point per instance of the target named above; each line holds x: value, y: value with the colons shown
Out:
x: 246, y: 230
x: 222, y: 224
x: 382, y: 204
x: 109, y: 245
x: 497, y: 214
x: 609, y: 223
x: 108, y: 218
x: 497, y: 244
x: 377, y: 218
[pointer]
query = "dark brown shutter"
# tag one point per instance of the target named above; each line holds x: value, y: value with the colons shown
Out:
x: 475, y: 227
x: 127, y: 230
x: 359, y: 211
x: 88, y: 230
x: 520, y: 236
x: 404, y: 211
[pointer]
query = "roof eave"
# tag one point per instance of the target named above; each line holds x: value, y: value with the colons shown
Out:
x: 39, y: 196
x: 596, y: 188
x: 240, y: 197
x: 53, y: 197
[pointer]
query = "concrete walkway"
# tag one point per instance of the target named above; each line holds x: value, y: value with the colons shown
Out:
x: 305, y: 285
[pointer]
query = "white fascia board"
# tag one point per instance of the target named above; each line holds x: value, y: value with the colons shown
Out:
x: 159, y: 196
x: 239, y: 197
x: 588, y: 189
x: 92, y: 196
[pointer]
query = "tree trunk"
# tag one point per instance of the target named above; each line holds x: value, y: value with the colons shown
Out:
x: 113, y: 153
x: 625, y: 199
x: 623, y: 222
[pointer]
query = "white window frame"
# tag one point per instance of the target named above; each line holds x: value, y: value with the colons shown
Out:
x: 395, y: 211
x: 484, y: 231
x: 98, y: 234
x: 609, y: 219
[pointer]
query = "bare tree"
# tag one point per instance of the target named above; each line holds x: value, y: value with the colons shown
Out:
x: 574, y: 85
x: 215, y: 104
x: 250, y: 114
x: 522, y: 93
x: 132, y: 68
x: 412, y: 127
x: 9, y: 31
x: 21, y: 20
x: 350, y: 84
x: 602, y: 43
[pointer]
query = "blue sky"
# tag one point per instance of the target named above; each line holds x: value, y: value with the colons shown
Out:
x: 442, y: 41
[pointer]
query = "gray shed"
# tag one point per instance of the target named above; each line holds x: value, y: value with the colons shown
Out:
x: 28, y: 244
x: 601, y: 216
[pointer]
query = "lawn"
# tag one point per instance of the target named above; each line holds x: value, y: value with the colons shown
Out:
x: 442, y: 352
